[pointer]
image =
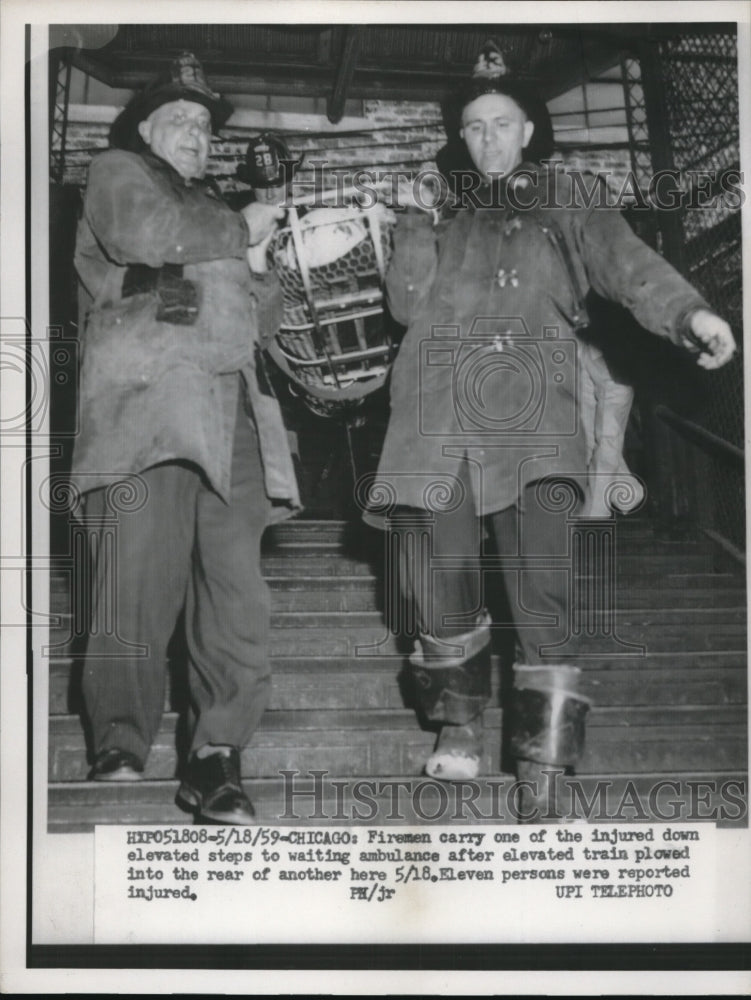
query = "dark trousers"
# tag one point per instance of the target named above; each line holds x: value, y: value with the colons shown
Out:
x: 531, y: 538
x: 183, y: 548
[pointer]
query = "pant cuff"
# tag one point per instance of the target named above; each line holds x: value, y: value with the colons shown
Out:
x: 548, y: 715
x: 453, y: 688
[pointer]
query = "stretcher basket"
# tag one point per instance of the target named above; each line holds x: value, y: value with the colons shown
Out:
x: 332, y: 344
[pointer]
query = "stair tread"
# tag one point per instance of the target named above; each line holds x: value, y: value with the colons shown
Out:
x: 132, y: 789
x: 60, y: 578
x: 350, y: 689
x: 608, y: 719
x: 404, y: 752
x: 682, y: 659
x: 625, y: 614
x: 365, y: 643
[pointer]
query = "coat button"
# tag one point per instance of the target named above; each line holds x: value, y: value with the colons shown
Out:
x: 502, y: 340
x: 507, y: 277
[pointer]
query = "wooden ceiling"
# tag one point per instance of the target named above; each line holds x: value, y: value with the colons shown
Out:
x: 405, y: 61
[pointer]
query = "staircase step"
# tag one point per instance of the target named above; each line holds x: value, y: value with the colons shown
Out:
x: 302, y: 530
x: 290, y: 578
x: 298, y: 638
x: 76, y: 807
x: 355, y: 723
x: 338, y: 530
x: 343, y: 742
x: 679, y: 658
x: 300, y: 562
x: 299, y: 684
x: 364, y: 593
x: 288, y: 641
x: 354, y: 548
x: 626, y: 617
x: 331, y: 560
x: 369, y: 549
x: 351, y: 620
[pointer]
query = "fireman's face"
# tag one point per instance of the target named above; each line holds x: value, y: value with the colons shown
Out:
x: 496, y: 130
x: 180, y: 133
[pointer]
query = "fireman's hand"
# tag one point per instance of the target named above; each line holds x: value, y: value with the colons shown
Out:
x: 423, y: 192
x: 713, y: 337
x: 262, y: 220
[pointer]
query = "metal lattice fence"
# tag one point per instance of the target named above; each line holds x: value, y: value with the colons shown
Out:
x: 698, y: 79
x: 636, y: 118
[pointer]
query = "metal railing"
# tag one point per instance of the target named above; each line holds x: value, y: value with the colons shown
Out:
x: 723, y: 469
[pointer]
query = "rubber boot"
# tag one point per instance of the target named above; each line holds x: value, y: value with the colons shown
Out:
x: 453, y: 687
x: 547, y: 736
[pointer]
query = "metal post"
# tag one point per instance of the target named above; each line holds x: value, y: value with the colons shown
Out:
x: 59, y: 88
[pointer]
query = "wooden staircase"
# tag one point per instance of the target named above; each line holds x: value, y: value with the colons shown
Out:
x: 677, y: 713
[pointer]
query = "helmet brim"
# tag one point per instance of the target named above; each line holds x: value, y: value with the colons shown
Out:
x: 124, y: 131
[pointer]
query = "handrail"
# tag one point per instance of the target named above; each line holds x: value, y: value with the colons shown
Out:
x: 732, y: 550
x: 699, y: 435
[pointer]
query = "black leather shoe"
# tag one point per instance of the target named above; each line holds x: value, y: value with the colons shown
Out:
x: 116, y: 765
x: 211, y: 788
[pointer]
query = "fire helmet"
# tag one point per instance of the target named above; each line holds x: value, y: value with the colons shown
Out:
x: 268, y: 162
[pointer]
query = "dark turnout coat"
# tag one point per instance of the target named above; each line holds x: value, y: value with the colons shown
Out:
x: 488, y: 369
x: 153, y: 390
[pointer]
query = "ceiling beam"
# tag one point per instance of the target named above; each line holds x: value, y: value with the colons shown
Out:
x: 584, y: 52
x: 293, y: 79
x: 344, y: 74
x: 139, y: 70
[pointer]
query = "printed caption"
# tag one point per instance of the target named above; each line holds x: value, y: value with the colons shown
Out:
x: 373, y: 865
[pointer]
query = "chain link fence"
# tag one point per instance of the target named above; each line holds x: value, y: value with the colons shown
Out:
x: 698, y: 77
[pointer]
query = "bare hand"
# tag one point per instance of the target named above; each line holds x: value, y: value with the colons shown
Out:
x: 383, y: 214
x: 256, y: 255
x: 716, y: 337
x: 423, y: 192
x: 262, y: 220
